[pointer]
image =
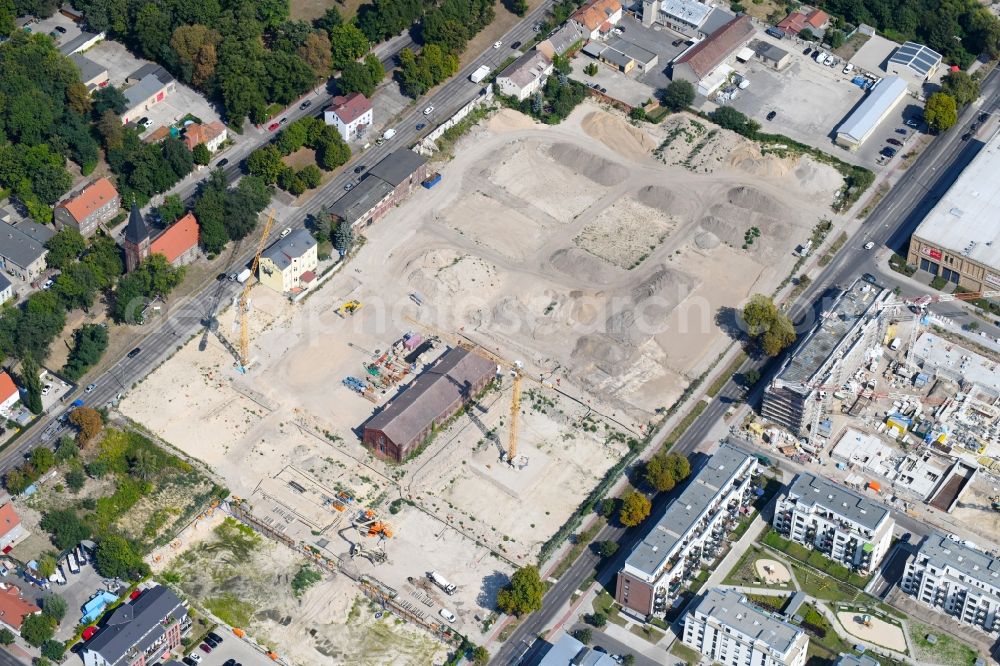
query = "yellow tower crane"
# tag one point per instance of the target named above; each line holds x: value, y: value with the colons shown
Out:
x: 244, y: 304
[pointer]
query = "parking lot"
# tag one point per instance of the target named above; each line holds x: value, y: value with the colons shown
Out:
x: 61, y: 28
x: 232, y: 648
x: 184, y: 100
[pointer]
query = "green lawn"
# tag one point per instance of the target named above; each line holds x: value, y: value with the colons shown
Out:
x: 645, y: 631
x: 605, y: 603
x: 682, y: 651
x: 821, y: 631
x: 823, y: 587
x: 769, y: 601
x: 948, y: 650
x: 743, y: 573
x: 815, y: 559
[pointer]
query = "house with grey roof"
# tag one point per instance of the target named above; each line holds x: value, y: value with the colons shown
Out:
x: 844, y: 525
x: 92, y: 74
x: 689, y: 534
x: 149, y: 85
x: 568, y: 651
x: 22, y: 248
x: 383, y: 187
x: 430, y: 400
x: 562, y: 40
x: 726, y: 627
x: 290, y: 264
x: 526, y: 75
x: 139, y: 632
x: 955, y: 578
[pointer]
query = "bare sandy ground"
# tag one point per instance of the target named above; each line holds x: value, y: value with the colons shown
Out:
x: 772, y: 572
x: 880, y: 632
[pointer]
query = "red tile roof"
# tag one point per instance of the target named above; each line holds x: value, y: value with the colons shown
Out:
x: 177, y: 239
x: 350, y: 108
x: 817, y: 18
x: 712, y: 51
x: 95, y: 195
x: 595, y: 12
x: 793, y: 23
x: 7, y: 387
x: 13, y: 608
x: 198, y: 133
x: 8, y: 519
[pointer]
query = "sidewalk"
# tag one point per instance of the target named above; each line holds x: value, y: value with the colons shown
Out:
x: 637, y: 643
x: 736, y: 551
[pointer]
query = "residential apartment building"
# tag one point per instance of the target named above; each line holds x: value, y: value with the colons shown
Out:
x: 290, y: 264
x: 955, y: 579
x: 212, y: 134
x: 140, y: 632
x: 22, y: 249
x: 525, y: 76
x: 843, y: 525
x: 689, y: 535
x: 351, y: 115
x: 725, y: 627
x: 830, y: 353
x: 95, y: 204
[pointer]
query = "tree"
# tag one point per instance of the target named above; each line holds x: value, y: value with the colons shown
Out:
x: 116, y: 558
x: 46, y: 567
x: 518, y: 7
x: 64, y: 248
x: 480, y: 656
x: 78, y: 99
x: 961, y: 86
x: 355, y: 77
x: 665, y: 470
x: 329, y: 20
x: 36, y: 629
x: 32, y: 383
x: 201, y: 155
x: 807, y: 35
x: 347, y: 43
x: 523, y: 595
x: 6, y: 636
x: 940, y: 111
x: 54, y: 650
x: 195, y: 46
x: 316, y: 52
x: 75, y: 479
x: 110, y: 129
x: 635, y: 509
x: 764, y: 323
x: 678, y: 95
x: 751, y: 377
x: 89, y: 423
x: 53, y: 605
x: 779, y: 336
x: 731, y: 119
x: 65, y: 528
x: 266, y: 163
x: 628, y: 659
x: 343, y: 238
x: 833, y: 37
x: 584, y: 635
x: 108, y: 98
x: 172, y: 208
x: 42, y: 459
x: 90, y: 343
x: 608, y: 548
x: 311, y: 176
x: 599, y: 620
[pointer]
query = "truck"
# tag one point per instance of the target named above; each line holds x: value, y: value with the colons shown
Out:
x: 73, y: 566
x: 480, y: 74
x: 442, y: 582
x: 244, y: 275
x: 388, y: 134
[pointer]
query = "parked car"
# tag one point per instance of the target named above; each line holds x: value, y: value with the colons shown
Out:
x: 895, y: 142
x: 306, y: 104
x: 188, y: 661
x: 848, y: 68
x: 206, y: 648
x: 901, y: 130
x: 284, y: 120
x: 868, y: 277
x: 46, y: 389
x: 983, y: 116
x: 273, y: 126
x: 211, y: 642
x: 910, y: 122
x: 221, y: 277
x: 807, y: 51
x: 215, y: 637
x: 888, y: 152
x: 195, y: 657
x: 135, y: 352
x: 61, y: 30
x: 974, y: 127
x: 966, y: 136
x: 604, y: 90
x: 677, y: 42
x: 145, y: 123
x: 447, y: 614
x: 772, y: 115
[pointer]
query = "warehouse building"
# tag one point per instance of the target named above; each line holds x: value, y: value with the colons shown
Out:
x: 705, y: 63
x: 956, y: 579
x: 385, y: 186
x: 914, y: 62
x: 728, y: 629
x: 847, y: 527
x: 874, y: 108
x: 771, y: 55
x: 959, y: 239
x: 622, y: 55
x: 429, y: 401
x: 827, y: 356
x: 689, y: 534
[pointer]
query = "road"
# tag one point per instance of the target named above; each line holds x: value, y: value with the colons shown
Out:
x: 188, y: 317
x: 888, y: 226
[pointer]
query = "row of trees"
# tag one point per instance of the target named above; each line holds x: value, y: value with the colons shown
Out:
x: 89, y: 344
x: 153, y: 278
x: 958, y: 89
x: 226, y: 214
x: 309, y: 132
x: 145, y: 169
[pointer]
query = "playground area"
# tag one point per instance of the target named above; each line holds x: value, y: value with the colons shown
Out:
x: 873, y: 630
x: 772, y: 572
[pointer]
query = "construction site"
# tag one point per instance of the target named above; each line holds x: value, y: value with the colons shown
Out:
x: 445, y: 402
x: 904, y: 403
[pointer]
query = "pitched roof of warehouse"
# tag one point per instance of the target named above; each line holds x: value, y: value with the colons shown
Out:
x: 870, y: 112
x: 921, y: 59
x: 815, y: 490
x: 431, y: 395
x: 19, y: 247
x: 397, y: 166
x: 710, y: 52
x: 684, y: 511
x: 361, y: 199
x: 731, y: 609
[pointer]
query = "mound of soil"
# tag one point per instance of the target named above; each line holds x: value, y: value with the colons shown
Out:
x: 601, y: 171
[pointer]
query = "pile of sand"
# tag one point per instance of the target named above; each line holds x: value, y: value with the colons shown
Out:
x: 750, y: 198
x: 601, y: 171
x: 447, y: 273
x: 667, y: 200
x: 816, y: 178
x: 748, y: 158
x: 628, y: 141
x: 582, y: 266
x: 509, y: 120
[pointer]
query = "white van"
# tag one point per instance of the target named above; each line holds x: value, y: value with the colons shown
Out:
x: 894, y: 345
x: 447, y: 614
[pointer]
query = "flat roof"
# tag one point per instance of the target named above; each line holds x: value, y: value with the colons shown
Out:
x: 939, y: 356
x: 873, y: 54
x: 649, y: 554
x: 829, y: 332
x: 631, y: 50
x: 731, y: 609
x: 810, y: 489
x: 361, y: 199
x: 872, y: 109
x: 917, y: 57
x: 397, y: 166
x: 943, y: 552
x: 966, y: 220
x: 691, y: 12
x: 770, y: 51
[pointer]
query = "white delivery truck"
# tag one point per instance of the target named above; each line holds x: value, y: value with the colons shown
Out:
x: 480, y: 74
x: 388, y: 134
x: 442, y: 582
x: 244, y: 275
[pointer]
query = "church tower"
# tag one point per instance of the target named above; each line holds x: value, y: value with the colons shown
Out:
x: 137, y: 240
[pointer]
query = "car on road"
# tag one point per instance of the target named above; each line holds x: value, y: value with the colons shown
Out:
x: 90, y: 387
x: 447, y: 614
x: 515, y: 45
x: 232, y: 277
x: 135, y: 352
x: 868, y: 277
x: 273, y: 126
x: 497, y: 44
x: 221, y: 163
x: 359, y: 168
x: 306, y: 104
x: 379, y: 141
x: 910, y: 122
x: 966, y: 136
x: 983, y: 117
x: 286, y: 231
x: 869, y: 245
x: 206, y: 648
x: 283, y: 121
x: 895, y: 142
x: 349, y: 187
x: 221, y: 277
x: 901, y: 130
x: 420, y: 126
x: 772, y: 115
x: 536, y: 28
x: 429, y: 110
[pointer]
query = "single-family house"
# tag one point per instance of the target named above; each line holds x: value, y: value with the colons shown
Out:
x: 92, y: 74
x: 12, y: 531
x: 22, y: 248
x: 212, y: 134
x: 597, y: 17
x: 95, y: 204
x: 525, y: 75
x: 704, y: 64
x: 799, y: 20
x: 9, y: 393
x: 149, y: 85
x: 351, y: 115
x: 14, y: 608
x: 561, y: 40
x: 290, y: 264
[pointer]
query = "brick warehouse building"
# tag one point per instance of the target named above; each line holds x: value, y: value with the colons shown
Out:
x: 430, y: 400
x: 383, y: 188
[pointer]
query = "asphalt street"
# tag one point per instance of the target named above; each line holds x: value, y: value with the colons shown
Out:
x: 889, y: 226
x: 189, y: 317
